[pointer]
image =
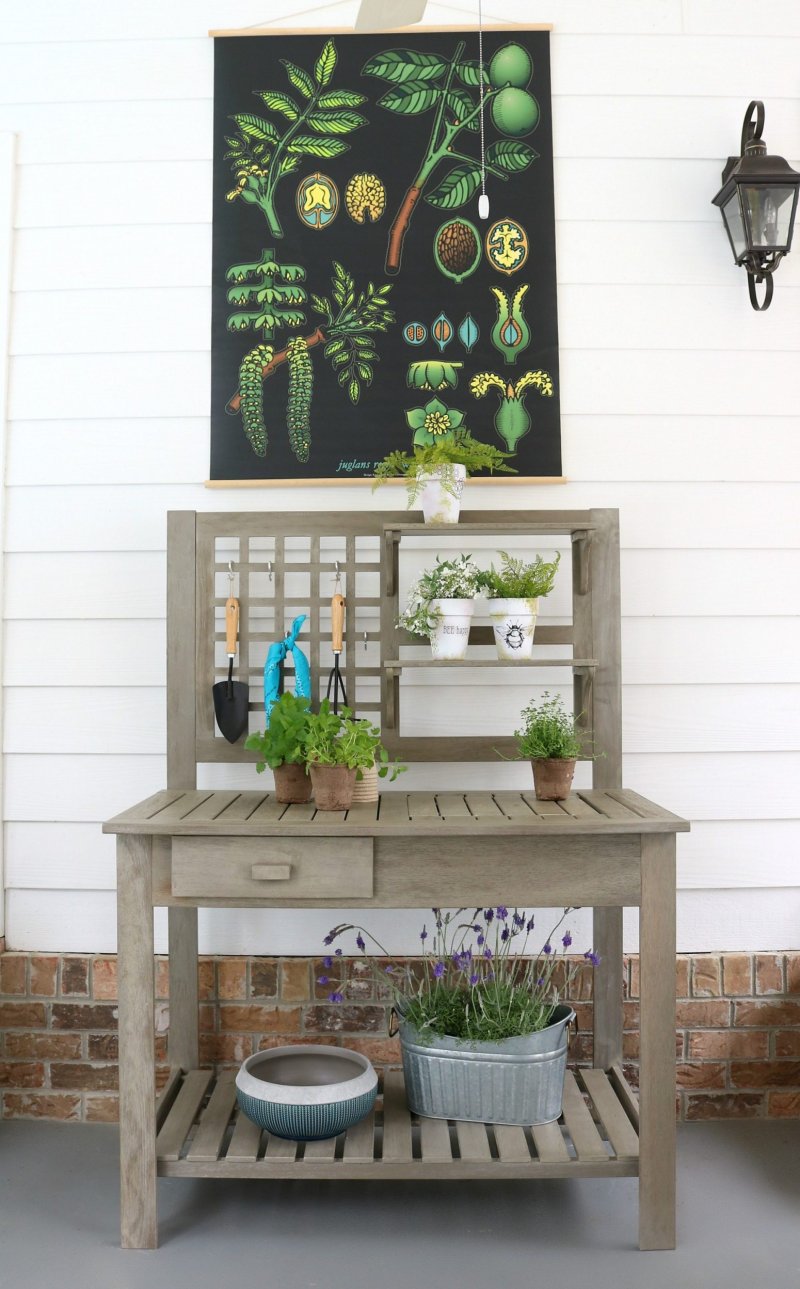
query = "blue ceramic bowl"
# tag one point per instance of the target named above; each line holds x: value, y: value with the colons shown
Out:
x: 306, y: 1093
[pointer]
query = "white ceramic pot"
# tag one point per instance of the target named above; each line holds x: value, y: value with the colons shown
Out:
x: 514, y: 622
x: 440, y: 505
x: 450, y: 636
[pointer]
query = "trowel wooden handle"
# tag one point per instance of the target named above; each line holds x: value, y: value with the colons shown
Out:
x: 231, y: 625
x: 337, y: 622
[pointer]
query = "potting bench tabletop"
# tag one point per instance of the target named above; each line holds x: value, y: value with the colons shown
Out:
x: 184, y: 848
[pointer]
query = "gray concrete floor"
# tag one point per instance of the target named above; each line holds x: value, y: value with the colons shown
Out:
x: 738, y: 1223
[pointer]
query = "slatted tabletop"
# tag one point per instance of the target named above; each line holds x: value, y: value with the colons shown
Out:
x: 232, y: 813
x: 202, y: 1133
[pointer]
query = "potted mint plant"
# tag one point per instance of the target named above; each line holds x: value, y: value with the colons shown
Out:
x: 550, y: 741
x: 514, y: 591
x: 281, y: 746
x: 440, y: 605
x: 339, y: 749
x: 483, y: 1030
x: 435, y: 470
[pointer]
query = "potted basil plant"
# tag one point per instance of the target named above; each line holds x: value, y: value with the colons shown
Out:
x: 550, y: 741
x: 483, y: 1030
x: 514, y: 591
x: 435, y: 472
x: 339, y: 749
x: 281, y: 746
x: 440, y: 605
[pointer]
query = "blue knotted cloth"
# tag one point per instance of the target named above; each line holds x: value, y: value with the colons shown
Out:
x: 274, y: 667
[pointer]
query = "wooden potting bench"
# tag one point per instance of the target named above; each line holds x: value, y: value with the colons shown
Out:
x: 186, y: 848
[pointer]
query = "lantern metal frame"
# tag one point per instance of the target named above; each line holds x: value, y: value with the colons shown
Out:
x: 756, y: 168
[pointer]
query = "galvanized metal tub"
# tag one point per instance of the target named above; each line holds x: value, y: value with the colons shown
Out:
x: 515, y: 1081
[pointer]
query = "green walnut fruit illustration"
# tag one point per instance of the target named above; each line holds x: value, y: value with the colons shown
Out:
x: 511, y: 65
x: 457, y: 249
x: 515, y: 111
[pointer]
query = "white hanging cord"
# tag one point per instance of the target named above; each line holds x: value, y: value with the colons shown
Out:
x: 483, y: 200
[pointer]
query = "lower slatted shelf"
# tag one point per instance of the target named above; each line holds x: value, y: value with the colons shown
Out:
x: 202, y: 1133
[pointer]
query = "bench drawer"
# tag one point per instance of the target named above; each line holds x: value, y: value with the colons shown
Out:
x: 272, y: 867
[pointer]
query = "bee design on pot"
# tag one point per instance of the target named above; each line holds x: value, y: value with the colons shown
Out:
x: 514, y: 636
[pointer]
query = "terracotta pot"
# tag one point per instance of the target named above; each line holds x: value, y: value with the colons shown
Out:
x: 292, y: 784
x: 333, y: 786
x: 552, y: 777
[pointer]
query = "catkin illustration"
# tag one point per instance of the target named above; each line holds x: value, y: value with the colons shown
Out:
x: 251, y: 389
x: 301, y: 388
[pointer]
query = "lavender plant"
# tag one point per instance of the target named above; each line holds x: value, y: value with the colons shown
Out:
x: 477, y: 981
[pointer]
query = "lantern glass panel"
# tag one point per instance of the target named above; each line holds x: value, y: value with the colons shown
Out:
x: 768, y: 212
x: 732, y: 214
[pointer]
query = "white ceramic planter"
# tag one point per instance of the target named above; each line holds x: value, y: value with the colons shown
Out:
x: 514, y: 622
x: 440, y: 506
x: 450, y: 636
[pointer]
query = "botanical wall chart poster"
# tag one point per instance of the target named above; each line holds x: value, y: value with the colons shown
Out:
x: 359, y: 302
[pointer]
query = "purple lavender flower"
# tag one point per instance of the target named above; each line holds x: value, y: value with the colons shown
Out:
x: 336, y: 997
x: 548, y: 948
x: 566, y: 939
x: 329, y: 938
x: 477, y: 926
x: 327, y: 961
x: 519, y: 919
x: 339, y: 952
x: 540, y: 981
x: 592, y: 957
x: 474, y: 978
x: 423, y: 935
x: 439, y: 970
x: 487, y: 953
x: 488, y: 915
x: 502, y: 912
x: 529, y: 923
x: 505, y: 934
x: 323, y: 980
x: 360, y: 942
x: 389, y: 970
x: 481, y: 940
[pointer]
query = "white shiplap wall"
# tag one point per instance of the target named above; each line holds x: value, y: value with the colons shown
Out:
x: 680, y: 405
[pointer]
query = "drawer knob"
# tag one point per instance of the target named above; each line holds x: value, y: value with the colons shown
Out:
x: 271, y: 872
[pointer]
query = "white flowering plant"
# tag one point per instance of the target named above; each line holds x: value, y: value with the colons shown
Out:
x: 451, y: 579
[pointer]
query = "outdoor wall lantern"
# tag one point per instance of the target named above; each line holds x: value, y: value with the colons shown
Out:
x: 758, y: 199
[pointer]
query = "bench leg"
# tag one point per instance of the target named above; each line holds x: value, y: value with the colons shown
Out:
x: 607, y: 991
x: 137, y: 1106
x: 183, y: 1037
x: 657, y: 1043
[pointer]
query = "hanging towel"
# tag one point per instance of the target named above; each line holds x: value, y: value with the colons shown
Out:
x: 274, y: 667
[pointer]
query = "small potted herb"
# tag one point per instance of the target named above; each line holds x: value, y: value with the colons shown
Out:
x: 281, y: 746
x: 435, y: 471
x: 482, y: 1025
x: 514, y: 592
x: 550, y: 741
x: 440, y: 605
x: 339, y: 749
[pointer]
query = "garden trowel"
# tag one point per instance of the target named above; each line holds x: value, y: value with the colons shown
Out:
x: 231, y: 697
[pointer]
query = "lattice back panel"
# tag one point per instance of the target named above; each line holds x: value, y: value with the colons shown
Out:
x: 284, y: 566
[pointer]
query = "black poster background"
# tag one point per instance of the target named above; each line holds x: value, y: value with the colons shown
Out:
x: 392, y: 147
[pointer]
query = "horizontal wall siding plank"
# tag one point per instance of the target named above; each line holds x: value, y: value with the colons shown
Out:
x: 611, y: 125
x: 585, y: 63
x: 163, y: 255
x: 161, y: 319
x: 675, y: 382
x: 123, y: 652
x: 85, y: 922
x: 694, y: 652
x: 179, y: 192
x: 662, y: 583
x: 671, y: 718
x: 718, y: 855
x: 741, y: 18
x: 667, y: 516
x: 94, y: 21
x: 87, y: 258
x: 78, y: 788
x: 596, y: 449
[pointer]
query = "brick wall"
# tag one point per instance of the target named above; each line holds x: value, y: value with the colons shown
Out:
x: 737, y: 1039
